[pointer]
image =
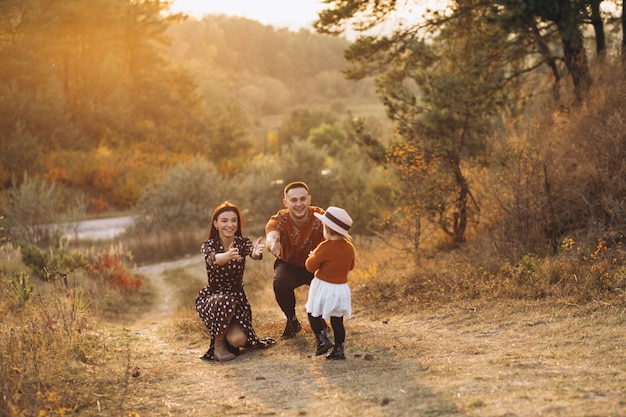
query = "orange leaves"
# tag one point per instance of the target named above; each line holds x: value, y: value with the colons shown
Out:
x: 103, y: 177
x: 112, y: 175
x: 408, y: 161
x: 109, y: 267
x: 57, y: 175
x: 98, y: 204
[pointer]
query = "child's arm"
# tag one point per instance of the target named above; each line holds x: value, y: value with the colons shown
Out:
x: 313, y: 262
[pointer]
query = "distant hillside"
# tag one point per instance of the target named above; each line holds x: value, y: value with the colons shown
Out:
x: 267, y: 70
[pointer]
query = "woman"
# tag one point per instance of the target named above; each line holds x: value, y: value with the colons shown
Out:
x: 222, y: 304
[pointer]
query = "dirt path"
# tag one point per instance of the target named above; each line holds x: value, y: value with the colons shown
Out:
x: 497, y: 359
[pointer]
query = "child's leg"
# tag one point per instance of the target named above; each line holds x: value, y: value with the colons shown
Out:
x: 338, y: 329
x: 322, y: 344
x: 317, y: 324
x: 340, y: 337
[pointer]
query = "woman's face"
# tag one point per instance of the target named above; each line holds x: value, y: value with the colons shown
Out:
x: 226, y: 224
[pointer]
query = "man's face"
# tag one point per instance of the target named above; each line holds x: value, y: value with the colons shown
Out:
x: 297, y: 201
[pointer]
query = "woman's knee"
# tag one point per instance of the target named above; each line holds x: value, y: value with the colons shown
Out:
x: 236, y: 336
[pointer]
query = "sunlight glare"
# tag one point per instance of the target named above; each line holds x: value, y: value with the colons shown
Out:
x: 280, y: 13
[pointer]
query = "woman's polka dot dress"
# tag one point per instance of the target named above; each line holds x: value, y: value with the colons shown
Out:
x: 224, y: 295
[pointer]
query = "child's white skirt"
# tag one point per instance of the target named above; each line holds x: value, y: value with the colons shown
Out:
x: 327, y: 299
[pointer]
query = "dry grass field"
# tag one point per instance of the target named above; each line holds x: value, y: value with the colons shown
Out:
x: 473, y: 356
x: 488, y: 358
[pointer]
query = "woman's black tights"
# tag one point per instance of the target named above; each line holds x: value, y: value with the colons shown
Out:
x: 317, y: 325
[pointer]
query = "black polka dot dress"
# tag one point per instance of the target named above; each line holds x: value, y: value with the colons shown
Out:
x: 224, y: 295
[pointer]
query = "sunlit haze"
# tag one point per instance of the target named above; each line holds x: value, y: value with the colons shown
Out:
x: 295, y: 14
x: 292, y: 14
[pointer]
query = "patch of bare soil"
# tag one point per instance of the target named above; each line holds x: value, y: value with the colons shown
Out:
x: 539, y: 358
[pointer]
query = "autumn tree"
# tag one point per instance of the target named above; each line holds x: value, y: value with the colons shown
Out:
x: 82, y: 75
x: 564, y: 19
x: 298, y: 123
x: 445, y: 78
x: 228, y: 144
x: 442, y: 92
x: 184, y: 196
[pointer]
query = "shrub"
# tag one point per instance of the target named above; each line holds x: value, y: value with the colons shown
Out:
x: 38, y: 213
x: 48, y: 344
x: 293, y: 168
x: 108, y: 267
x: 186, y: 195
x: 22, y: 288
x: 52, y: 264
x: 20, y: 152
x: 259, y: 192
x: 577, y: 275
x: 559, y: 171
x: 31, y: 208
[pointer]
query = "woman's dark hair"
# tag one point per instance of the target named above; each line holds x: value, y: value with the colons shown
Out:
x: 222, y: 208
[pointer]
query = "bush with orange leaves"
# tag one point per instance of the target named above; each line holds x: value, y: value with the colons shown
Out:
x: 108, y: 267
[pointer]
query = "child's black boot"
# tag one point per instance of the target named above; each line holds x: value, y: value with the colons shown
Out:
x: 322, y: 344
x: 337, y: 353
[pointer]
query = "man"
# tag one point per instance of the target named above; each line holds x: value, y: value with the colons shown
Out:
x: 291, y: 234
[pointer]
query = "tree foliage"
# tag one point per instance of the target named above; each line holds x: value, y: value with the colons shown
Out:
x: 447, y: 79
x: 298, y: 123
x: 442, y: 95
x: 186, y: 195
x: 38, y: 212
x: 269, y: 70
x: 104, y: 97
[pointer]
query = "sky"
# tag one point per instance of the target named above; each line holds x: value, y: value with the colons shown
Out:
x: 292, y: 14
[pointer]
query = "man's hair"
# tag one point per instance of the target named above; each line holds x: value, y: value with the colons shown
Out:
x: 295, y: 184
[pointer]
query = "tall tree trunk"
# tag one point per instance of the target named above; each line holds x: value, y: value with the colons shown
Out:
x: 598, y: 27
x: 576, y: 63
x: 547, y: 56
x: 459, y: 220
x: 574, y: 52
x: 624, y: 31
x: 575, y: 57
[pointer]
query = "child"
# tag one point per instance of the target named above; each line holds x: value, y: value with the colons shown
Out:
x: 329, y: 293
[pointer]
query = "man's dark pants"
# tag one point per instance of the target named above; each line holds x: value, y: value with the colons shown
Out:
x: 287, y: 278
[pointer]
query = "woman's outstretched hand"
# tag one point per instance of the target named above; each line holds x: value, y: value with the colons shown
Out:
x: 257, y: 250
x: 232, y: 253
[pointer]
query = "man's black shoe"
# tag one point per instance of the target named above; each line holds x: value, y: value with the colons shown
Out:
x: 291, y: 329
